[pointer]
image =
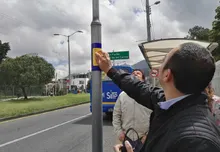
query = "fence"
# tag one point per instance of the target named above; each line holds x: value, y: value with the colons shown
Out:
x: 14, y: 92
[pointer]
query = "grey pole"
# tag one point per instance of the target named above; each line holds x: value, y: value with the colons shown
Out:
x: 97, y: 118
x: 148, y: 24
x: 68, y: 40
x: 148, y: 21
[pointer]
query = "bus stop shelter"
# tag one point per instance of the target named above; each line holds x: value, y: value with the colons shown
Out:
x: 155, y: 51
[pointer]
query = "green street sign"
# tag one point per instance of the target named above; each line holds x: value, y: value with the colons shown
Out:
x: 119, y: 55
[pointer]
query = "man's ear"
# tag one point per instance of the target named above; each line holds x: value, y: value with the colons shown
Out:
x: 167, y: 75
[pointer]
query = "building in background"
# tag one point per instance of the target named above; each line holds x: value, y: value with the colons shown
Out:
x: 79, y: 81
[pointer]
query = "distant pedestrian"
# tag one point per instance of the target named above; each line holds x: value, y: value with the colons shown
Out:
x: 129, y: 114
x: 214, y: 104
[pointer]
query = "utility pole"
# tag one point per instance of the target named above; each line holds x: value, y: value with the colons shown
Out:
x: 97, y: 118
x: 68, y: 40
x: 148, y: 21
x: 148, y: 7
x: 56, y: 83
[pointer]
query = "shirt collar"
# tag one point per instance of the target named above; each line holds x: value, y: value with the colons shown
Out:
x: 167, y: 104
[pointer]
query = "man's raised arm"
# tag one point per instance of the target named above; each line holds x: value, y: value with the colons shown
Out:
x: 143, y: 93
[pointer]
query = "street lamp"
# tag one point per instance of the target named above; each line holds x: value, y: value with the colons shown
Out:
x: 148, y: 12
x: 68, y: 39
x: 157, y: 2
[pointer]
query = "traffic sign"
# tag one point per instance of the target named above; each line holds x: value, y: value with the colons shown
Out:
x: 119, y: 55
x: 154, y: 72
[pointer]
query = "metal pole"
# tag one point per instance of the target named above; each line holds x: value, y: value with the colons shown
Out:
x: 68, y: 40
x: 56, y: 84
x: 148, y: 20
x: 97, y: 118
x: 149, y: 29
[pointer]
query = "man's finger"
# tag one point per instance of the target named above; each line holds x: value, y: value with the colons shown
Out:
x: 98, y: 57
x: 105, y: 54
x: 128, y: 146
x: 117, y: 148
x: 143, y: 139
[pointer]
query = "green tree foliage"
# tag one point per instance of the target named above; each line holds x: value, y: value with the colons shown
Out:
x: 205, y: 34
x: 4, y: 48
x: 215, y: 33
x: 199, y: 32
x: 25, y: 71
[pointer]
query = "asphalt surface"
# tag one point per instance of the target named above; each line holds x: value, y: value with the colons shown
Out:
x: 66, y: 130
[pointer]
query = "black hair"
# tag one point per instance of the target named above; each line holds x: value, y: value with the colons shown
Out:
x: 142, y: 72
x: 192, y: 67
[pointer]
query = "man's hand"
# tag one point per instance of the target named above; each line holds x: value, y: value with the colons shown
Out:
x: 117, y: 148
x: 143, y: 139
x: 122, y: 136
x: 103, y: 60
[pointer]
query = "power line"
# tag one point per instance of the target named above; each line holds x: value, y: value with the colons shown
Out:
x: 22, y: 22
x: 11, y: 18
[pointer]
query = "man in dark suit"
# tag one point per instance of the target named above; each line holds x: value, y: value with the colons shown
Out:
x: 181, y: 120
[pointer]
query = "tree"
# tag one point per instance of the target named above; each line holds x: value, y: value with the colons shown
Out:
x: 215, y: 33
x: 204, y: 34
x: 25, y: 71
x: 199, y: 33
x: 4, y: 48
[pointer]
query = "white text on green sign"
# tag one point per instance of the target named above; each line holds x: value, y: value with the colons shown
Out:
x: 119, y: 55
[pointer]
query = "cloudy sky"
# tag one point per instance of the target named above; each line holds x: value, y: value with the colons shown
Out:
x: 29, y: 26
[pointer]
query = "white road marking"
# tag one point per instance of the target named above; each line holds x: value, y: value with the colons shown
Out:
x: 39, y: 132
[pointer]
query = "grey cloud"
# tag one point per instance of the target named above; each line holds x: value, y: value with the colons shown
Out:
x: 190, y: 12
x: 40, y: 19
x: 32, y: 28
x: 37, y: 20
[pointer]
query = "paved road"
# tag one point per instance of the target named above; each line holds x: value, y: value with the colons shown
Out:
x: 66, y: 130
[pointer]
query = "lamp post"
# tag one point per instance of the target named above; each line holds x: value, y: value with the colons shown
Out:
x: 148, y: 23
x: 68, y: 40
x: 148, y: 12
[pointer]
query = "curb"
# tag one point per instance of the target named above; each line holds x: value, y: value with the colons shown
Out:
x: 40, y: 112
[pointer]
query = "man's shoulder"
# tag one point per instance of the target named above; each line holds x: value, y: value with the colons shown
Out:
x: 195, y: 143
x: 195, y: 121
x: 192, y: 131
x: 124, y: 95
